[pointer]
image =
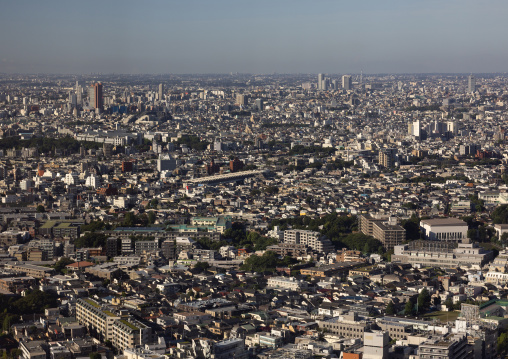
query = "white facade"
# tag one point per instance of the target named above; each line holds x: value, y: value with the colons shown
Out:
x: 286, y: 283
x: 444, y: 229
x: 93, y: 181
x: 71, y: 178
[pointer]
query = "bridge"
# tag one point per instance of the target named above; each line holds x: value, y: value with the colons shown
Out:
x: 228, y: 177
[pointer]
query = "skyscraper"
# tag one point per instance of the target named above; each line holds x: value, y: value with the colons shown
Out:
x: 471, y: 84
x: 259, y: 104
x: 161, y: 92
x: 97, y: 100
x: 347, y: 83
x: 320, y: 81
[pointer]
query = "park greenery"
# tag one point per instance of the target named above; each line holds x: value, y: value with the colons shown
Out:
x: 266, y: 263
x: 193, y: 142
x: 240, y: 238
x: 47, y: 144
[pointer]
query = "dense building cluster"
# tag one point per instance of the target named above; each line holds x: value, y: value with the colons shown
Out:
x: 253, y: 216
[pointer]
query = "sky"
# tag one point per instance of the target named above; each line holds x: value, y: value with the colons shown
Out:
x: 256, y: 36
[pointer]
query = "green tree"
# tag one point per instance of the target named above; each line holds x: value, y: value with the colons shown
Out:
x: 390, y: 309
x: 7, y: 323
x: 202, y: 266
x: 412, y: 227
x: 449, y: 303
x: 62, y: 263
x: 40, y: 209
x: 129, y: 220
x: 423, y: 300
x: 95, y: 355
x: 500, y: 214
x: 408, y: 309
x: 91, y: 240
x: 502, y: 343
x: 267, y: 262
x: 151, y: 217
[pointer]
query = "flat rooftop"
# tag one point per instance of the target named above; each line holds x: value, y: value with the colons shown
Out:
x: 444, y: 222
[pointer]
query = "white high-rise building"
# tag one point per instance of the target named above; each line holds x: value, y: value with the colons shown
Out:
x: 320, y: 81
x: 93, y: 181
x: 71, y: 178
x: 414, y: 129
x: 347, y: 82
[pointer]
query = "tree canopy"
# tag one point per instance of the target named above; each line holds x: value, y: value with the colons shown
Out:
x: 267, y: 262
x: 500, y: 214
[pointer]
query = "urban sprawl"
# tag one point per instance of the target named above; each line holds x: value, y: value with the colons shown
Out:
x: 254, y: 216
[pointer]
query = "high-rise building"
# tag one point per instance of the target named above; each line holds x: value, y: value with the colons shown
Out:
x: 73, y: 99
x: 347, y: 83
x: 471, y: 84
x: 320, y: 81
x: 161, y: 92
x: 241, y: 100
x: 95, y: 96
x: 259, y: 104
x: 325, y: 84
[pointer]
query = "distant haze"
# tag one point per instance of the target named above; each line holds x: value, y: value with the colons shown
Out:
x: 261, y: 36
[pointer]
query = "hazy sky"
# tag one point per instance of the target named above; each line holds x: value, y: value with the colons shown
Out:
x: 256, y: 36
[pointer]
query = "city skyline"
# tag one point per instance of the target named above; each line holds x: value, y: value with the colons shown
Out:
x: 226, y: 36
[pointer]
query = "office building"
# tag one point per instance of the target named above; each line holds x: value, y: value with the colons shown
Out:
x: 161, y: 92
x: 241, y: 100
x: 441, y: 254
x: 96, y: 101
x: 320, y: 81
x: 471, y: 84
x: 347, y: 83
x: 259, y: 104
x: 347, y: 326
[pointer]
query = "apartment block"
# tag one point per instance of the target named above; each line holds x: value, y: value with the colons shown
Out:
x: 129, y: 333
x: 98, y: 319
